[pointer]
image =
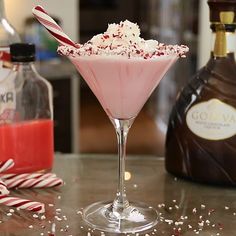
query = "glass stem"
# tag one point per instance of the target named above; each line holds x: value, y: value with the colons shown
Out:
x: 122, y: 128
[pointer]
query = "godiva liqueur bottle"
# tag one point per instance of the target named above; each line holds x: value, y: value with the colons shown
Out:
x: 201, y: 136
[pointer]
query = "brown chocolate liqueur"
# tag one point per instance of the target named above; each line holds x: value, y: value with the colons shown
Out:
x: 201, y: 136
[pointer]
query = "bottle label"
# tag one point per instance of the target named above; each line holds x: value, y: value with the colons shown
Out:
x: 212, y: 120
x: 8, y: 100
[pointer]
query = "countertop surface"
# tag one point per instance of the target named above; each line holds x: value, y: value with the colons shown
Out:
x: 185, y: 208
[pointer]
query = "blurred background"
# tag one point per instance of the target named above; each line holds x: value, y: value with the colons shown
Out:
x: 80, y: 123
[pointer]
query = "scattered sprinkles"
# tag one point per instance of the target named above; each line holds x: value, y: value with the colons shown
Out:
x: 123, y: 40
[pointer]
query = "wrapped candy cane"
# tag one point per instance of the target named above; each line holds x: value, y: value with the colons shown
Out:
x: 3, y: 188
x: 27, y: 176
x: 23, y: 204
x: 53, y: 28
x: 33, y: 183
x: 6, y: 165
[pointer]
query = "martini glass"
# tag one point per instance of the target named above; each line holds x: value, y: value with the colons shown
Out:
x: 122, y: 86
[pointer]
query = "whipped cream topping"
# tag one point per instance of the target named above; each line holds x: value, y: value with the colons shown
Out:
x: 124, y: 40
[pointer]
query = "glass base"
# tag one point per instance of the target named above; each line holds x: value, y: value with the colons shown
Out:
x: 135, y: 218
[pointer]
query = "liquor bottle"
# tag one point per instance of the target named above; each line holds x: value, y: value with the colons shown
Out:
x: 26, y: 114
x: 201, y: 136
x: 8, y: 35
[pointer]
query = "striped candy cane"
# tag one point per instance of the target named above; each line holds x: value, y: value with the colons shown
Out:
x: 23, y: 204
x: 33, y: 183
x: 27, y: 176
x: 53, y: 28
x: 6, y: 165
x: 3, y: 188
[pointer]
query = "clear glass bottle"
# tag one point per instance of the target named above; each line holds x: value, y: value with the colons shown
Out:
x: 8, y: 35
x: 26, y: 114
x: 201, y: 136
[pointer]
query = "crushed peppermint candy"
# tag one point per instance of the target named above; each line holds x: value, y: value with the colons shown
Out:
x: 123, y: 40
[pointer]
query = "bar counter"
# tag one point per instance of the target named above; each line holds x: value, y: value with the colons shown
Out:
x: 184, y: 208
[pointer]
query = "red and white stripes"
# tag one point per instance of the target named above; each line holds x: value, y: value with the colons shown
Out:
x: 6, y: 165
x: 33, y: 183
x: 54, y: 29
x: 27, y: 180
x: 22, y: 204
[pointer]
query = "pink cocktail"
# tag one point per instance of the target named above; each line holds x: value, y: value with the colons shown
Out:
x: 119, y: 83
x: 122, y: 70
x: 29, y: 144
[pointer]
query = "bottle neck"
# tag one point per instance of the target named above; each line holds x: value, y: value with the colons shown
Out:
x: 223, y: 42
x: 2, y: 9
x: 22, y: 67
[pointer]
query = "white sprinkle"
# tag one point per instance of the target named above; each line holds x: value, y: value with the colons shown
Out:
x: 135, y: 185
x: 175, y: 179
x: 169, y: 221
x: 43, y: 217
x: 9, y: 214
x: 42, y: 234
x: 170, y: 208
x: 136, y: 216
x: 79, y: 212
x: 194, y: 210
x: 234, y: 213
x: 81, y: 227
x: 35, y: 216
x: 201, y: 224
x: 226, y: 208
x: 31, y: 226
x: 58, y: 218
x: 179, y: 223
x: 88, y: 234
x: 190, y: 226
x: 51, y: 205
x: 61, y: 230
x: 59, y: 197
x: 203, y: 206
x: 11, y: 210
x: 176, y: 206
x: 161, y: 205
x: 53, y: 228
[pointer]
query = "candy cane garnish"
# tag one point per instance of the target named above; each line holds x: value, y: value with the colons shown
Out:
x: 6, y: 165
x: 23, y: 204
x: 33, y: 183
x: 53, y: 28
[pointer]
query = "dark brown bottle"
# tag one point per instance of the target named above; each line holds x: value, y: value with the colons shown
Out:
x: 201, y: 136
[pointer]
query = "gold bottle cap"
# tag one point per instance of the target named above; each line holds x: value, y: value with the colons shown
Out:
x: 218, y: 6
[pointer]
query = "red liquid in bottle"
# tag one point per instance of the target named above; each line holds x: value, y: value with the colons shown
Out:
x: 29, y: 144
